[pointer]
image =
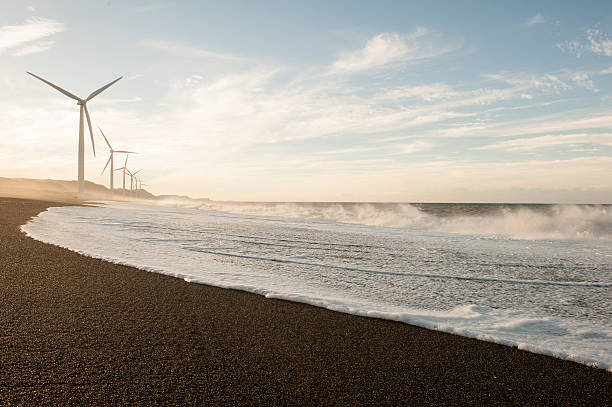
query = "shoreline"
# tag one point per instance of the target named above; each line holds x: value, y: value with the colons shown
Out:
x: 74, y: 328
x: 414, y: 320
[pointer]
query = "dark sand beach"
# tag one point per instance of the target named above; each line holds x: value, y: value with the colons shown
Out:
x: 81, y: 331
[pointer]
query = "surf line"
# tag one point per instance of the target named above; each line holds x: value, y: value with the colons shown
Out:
x: 587, y: 284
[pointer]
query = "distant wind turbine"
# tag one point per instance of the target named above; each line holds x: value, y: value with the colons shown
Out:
x: 83, y: 108
x: 124, y: 169
x: 139, y: 185
x: 131, y: 179
x: 112, y: 161
x: 133, y: 175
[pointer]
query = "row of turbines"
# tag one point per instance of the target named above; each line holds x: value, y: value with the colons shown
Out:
x: 82, y: 103
x: 134, y: 180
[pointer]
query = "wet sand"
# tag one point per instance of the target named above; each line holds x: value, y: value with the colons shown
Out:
x: 81, y: 331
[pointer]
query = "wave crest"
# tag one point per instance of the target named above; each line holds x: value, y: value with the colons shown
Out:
x: 533, y: 222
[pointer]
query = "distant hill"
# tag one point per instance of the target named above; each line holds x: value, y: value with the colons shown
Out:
x: 66, y: 191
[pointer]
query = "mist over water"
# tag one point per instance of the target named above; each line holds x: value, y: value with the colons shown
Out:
x: 514, y: 221
x: 538, y: 277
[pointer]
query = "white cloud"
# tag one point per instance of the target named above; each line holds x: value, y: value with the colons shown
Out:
x: 184, y: 50
x: 387, y: 48
x: 255, y: 109
x: 597, y: 42
x: 193, y: 80
x: 415, y: 147
x: 537, y: 19
x: 33, y: 48
x: 558, y: 122
x: 550, y: 140
x: 434, y: 91
x: 523, y: 80
x: 606, y: 71
x: 572, y: 47
x: 22, y: 39
x: 582, y: 79
x: 351, y: 150
x: 112, y: 101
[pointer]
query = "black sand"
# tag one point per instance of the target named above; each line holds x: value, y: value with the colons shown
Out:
x: 80, y: 331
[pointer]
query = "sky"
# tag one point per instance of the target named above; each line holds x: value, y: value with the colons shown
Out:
x: 387, y: 101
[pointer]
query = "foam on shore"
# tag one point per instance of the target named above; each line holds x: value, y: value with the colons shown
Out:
x: 332, y: 265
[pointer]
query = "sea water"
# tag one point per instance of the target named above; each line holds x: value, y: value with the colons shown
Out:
x: 538, y: 277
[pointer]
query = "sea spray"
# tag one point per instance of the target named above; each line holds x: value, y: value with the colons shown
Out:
x: 570, y: 222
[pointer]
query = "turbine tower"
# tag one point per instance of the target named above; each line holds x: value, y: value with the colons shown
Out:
x: 83, y: 108
x: 112, y: 161
x: 138, y: 186
x: 124, y: 169
x: 133, y: 177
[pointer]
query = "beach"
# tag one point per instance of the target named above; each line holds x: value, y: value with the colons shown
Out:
x: 76, y: 330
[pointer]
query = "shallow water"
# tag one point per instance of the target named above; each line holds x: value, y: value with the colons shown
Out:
x: 538, y: 277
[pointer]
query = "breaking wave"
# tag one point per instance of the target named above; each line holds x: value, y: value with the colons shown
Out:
x: 514, y: 221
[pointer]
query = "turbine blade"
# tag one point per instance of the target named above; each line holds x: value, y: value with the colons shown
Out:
x: 124, y: 151
x: 93, y: 146
x: 65, y: 92
x: 137, y: 172
x: 97, y: 92
x: 105, y: 139
x: 109, y: 159
x: 125, y: 163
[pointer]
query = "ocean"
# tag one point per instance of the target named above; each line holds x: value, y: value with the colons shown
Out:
x: 538, y: 277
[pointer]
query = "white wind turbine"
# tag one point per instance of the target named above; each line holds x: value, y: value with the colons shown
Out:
x: 138, y: 186
x: 111, y: 160
x: 83, y: 108
x: 133, y: 177
x: 142, y: 184
x: 124, y: 169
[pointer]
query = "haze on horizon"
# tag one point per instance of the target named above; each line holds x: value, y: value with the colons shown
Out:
x: 310, y: 101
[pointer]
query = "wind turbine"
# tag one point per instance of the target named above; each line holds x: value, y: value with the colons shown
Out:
x: 130, y: 175
x: 133, y: 175
x: 138, y: 186
x: 82, y: 103
x: 112, y: 161
x: 124, y: 169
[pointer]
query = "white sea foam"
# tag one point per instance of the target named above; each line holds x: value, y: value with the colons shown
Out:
x: 549, y: 296
x: 520, y: 222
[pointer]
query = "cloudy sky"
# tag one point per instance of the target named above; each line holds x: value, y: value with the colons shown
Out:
x: 317, y: 100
